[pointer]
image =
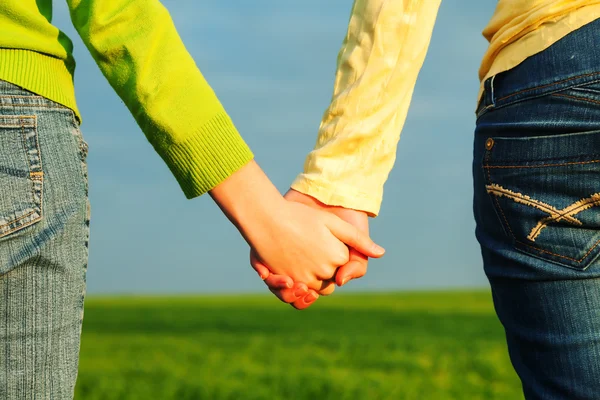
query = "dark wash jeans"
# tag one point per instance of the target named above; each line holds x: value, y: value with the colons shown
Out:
x: 537, y: 207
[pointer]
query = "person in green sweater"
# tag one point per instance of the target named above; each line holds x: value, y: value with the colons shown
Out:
x: 44, y: 207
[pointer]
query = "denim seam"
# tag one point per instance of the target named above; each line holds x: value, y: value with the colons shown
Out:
x: 38, y: 175
x: 538, y: 96
x: 83, y: 150
x: 31, y: 175
x: 488, y: 167
x: 36, y: 178
x: 7, y: 96
x: 559, y: 255
x: 16, y: 220
x: 486, y: 161
x: 585, y: 89
x: 548, y: 85
x: 82, y: 144
x: 576, y: 98
x: 48, y: 106
x: 554, y: 92
x: 18, y: 121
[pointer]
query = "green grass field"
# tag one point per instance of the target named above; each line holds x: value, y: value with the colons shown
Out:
x: 422, y: 346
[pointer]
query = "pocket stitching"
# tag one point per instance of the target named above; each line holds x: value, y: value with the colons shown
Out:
x: 36, y: 178
x: 558, y: 255
x: 18, y: 227
x: 489, y: 176
x: 499, y: 207
x: 566, y: 214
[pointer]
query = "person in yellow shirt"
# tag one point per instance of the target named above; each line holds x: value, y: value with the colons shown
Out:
x: 536, y: 167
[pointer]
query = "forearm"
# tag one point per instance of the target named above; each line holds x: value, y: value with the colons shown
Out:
x: 378, y: 65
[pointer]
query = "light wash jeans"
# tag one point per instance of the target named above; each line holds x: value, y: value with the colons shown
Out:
x: 44, y: 231
x: 537, y: 208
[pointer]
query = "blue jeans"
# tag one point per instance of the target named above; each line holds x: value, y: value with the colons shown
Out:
x: 44, y: 225
x: 537, y: 207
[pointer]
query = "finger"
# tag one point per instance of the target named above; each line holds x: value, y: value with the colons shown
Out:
x: 327, y: 288
x: 353, y: 237
x: 306, y: 301
x: 355, y: 268
x: 322, y: 277
x: 291, y: 295
x: 262, y: 270
x: 278, y: 282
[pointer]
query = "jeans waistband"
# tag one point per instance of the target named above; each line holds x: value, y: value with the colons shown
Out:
x: 7, y: 89
x: 572, y: 61
x: 12, y: 95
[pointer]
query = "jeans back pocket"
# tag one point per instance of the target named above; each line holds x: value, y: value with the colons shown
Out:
x: 21, y: 176
x: 546, y: 193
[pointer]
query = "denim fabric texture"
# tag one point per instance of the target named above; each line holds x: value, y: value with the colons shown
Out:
x: 537, y: 207
x: 44, y: 232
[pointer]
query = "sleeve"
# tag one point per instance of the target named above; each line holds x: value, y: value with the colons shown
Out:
x: 377, y: 69
x: 136, y: 46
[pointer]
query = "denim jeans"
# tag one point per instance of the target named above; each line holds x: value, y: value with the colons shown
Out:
x: 537, y: 207
x: 44, y: 225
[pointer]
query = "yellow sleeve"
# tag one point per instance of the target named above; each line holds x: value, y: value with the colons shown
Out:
x: 377, y: 69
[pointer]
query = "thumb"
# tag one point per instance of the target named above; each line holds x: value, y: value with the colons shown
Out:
x: 354, y: 237
x: 355, y: 268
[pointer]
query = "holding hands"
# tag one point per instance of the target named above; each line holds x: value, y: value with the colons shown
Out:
x: 360, y: 249
x: 297, y: 244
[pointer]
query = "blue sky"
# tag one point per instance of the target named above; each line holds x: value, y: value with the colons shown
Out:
x: 272, y: 65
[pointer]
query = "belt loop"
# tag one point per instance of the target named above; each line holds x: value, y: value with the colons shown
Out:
x: 493, y: 96
x: 489, y: 98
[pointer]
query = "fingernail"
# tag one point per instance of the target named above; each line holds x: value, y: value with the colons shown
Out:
x: 301, y: 292
x: 379, y: 249
x: 345, y: 280
x: 263, y: 277
x: 310, y: 298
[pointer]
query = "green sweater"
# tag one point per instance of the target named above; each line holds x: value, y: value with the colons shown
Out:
x: 135, y: 44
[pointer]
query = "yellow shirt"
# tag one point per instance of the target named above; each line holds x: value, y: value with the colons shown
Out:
x: 378, y: 65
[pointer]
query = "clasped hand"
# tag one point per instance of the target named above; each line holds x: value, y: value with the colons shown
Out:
x: 297, y: 243
x: 323, y: 246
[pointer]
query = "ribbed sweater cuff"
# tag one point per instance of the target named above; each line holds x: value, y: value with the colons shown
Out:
x: 207, y: 158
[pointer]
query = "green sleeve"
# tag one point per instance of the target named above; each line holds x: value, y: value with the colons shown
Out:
x: 136, y: 45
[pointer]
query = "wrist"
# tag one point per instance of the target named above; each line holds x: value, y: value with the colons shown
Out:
x: 247, y: 197
x: 300, y: 197
x: 358, y: 218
